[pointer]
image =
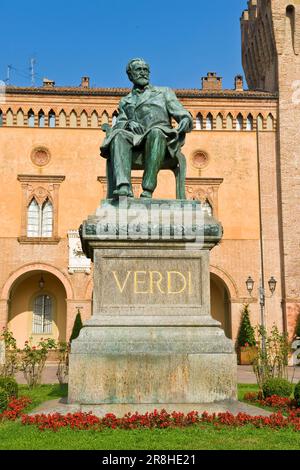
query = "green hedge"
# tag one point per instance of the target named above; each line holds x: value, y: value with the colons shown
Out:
x: 279, y: 387
x: 10, y: 385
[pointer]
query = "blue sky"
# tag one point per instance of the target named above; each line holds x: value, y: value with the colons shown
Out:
x: 181, y: 39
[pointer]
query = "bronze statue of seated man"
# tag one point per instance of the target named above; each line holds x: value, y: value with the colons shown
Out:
x: 143, y: 131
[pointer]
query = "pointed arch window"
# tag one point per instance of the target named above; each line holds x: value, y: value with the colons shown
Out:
x: 114, y: 118
x: 30, y: 118
x: 104, y: 118
x: 9, y: 118
x: 199, y: 122
x: 239, y: 122
x: 270, y: 122
x: 51, y: 118
x: 33, y: 215
x: 249, y: 123
x: 209, y: 122
x: 62, y: 119
x: 40, y: 219
x: 94, y: 120
x: 229, y: 122
x: 41, y: 119
x: 260, y: 122
x: 20, y: 118
x: 73, y: 119
x: 42, y: 315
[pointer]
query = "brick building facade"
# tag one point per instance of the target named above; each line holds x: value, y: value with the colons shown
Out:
x: 242, y: 164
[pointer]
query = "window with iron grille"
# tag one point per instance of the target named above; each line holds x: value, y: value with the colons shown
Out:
x: 42, y: 315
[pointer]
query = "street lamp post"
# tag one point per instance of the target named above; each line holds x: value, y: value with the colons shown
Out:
x: 262, y: 298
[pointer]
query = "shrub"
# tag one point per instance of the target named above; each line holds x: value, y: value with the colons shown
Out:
x: 246, y: 335
x: 4, y: 398
x: 272, y: 358
x: 33, y: 360
x: 63, y: 365
x: 11, y: 353
x: 10, y: 385
x: 297, y: 394
x: 76, y: 327
x: 277, y: 386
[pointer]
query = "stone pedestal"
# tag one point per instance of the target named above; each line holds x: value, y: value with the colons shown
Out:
x: 151, y: 339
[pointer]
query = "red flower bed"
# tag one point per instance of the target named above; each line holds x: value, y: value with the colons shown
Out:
x: 159, y: 420
x: 276, y: 402
x: 14, y: 408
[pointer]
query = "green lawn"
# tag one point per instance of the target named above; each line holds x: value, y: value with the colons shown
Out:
x: 15, y: 436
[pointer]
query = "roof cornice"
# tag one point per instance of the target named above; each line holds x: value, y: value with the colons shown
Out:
x: 119, y: 92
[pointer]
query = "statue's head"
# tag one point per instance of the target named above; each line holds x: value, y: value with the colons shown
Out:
x: 138, y: 72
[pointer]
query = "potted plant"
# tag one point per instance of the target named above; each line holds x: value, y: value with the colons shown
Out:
x: 246, y: 343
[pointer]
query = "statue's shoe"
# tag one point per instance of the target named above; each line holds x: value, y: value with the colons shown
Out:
x: 123, y: 191
x: 146, y: 194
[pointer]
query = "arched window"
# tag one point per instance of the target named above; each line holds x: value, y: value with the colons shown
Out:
x: 30, y: 118
x: 219, y: 122
x: 33, y: 217
x: 199, y: 122
x: 239, y: 122
x: 260, y: 122
x: 83, y: 119
x: 42, y: 315
x: 104, y: 118
x: 270, y: 122
x: 207, y: 207
x: 1, y: 118
x: 209, y: 122
x: 51, y: 117
x: 73, y: 119
x: 229, y: 122
x: 41, y: 118
x: 249, y: 123
x: 40, y: 219
x: 94, y: 119
x: 47, y: 219
x: 20, y: 118
x: 114, y: 118
x: 62, y: 119
x: 9, y: 118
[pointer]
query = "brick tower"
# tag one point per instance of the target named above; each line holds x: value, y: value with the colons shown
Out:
x: 271, y: 61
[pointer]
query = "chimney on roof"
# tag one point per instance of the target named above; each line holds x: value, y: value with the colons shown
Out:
x: 212, y: 82
x: 48, y: 83
x: 238, y: 83
x: 85, y: 82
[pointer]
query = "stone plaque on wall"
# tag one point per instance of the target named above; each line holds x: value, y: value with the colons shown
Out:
x: 78, y: 262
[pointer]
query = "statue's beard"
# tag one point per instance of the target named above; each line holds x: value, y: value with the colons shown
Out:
x: 141, y: 81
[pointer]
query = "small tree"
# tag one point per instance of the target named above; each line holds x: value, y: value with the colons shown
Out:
x: 272, y: 358
x: 11, y: 354
x: 76, y: 327
x: 63, y: 365
x: 246, y: 335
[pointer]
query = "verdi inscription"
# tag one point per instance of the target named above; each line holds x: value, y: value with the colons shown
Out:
x: 147, y: 281
x: 154, y: 282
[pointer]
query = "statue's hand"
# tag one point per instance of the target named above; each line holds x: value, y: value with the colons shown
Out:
x: 184, y: 126
x: 136, y: 127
